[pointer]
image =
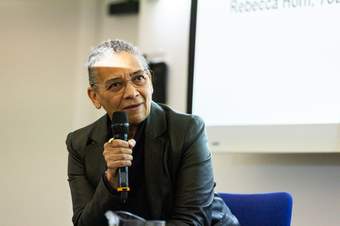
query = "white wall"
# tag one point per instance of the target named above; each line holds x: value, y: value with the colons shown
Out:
x: 312, y: 179
x: 163, y: 33
x: 44, y: 44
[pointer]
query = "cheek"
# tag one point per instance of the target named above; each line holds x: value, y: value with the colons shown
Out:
x: 114, y: 103
x: 151, y: 89
x: 149, y: 92
x: 148, y: 97
x: 146, y: 92
x: 110, y: 103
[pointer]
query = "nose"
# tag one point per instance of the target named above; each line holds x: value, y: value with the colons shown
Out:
x: 130, y: 91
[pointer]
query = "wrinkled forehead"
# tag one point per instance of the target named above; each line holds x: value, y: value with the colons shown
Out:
x: 122, y: 60
x: 113, y: 71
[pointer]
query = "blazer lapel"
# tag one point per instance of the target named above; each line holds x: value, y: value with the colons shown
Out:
x: 94, y: 150
x: 154, y: 159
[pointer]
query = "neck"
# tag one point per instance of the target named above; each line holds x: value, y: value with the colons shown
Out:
x: 132, y: 130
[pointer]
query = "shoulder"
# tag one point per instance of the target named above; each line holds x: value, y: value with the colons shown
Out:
x: 180, y: 120
x: 182, y: 129
x: 81, y: 137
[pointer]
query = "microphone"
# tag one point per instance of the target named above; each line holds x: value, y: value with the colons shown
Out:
x: 120, y: 129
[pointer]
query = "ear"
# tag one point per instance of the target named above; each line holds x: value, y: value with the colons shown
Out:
x: 91, y: 92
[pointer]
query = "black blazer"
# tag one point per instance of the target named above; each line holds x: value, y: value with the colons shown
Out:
x: 178, y: 172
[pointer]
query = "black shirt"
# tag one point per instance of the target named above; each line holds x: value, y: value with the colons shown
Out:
x: 137, y: 202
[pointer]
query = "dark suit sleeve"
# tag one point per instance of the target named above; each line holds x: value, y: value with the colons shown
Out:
x: 89, y: 204
x: 194, y: 182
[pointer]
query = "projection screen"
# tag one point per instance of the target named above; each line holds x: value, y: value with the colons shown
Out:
x: 265, y: 74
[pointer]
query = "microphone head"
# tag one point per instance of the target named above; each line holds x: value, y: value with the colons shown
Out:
x: 119, y: 117
x: 120, y: 125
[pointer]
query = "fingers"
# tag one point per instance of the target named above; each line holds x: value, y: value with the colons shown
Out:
x: 132, y: 143
x: 117, y: 150
x: 114, y: 165
x: 118, y: 153
x: 117, y: 157
x: 121, y: 143
x: 118, y: 160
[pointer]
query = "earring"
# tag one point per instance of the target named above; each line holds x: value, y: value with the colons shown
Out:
x: 98, y: 106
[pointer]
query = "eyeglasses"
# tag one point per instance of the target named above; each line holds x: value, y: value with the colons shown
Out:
x: 138, y: 79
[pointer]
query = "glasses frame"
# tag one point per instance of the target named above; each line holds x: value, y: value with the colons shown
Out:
x: 146, y: 72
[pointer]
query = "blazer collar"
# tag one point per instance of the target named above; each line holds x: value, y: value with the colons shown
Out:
x: 155, y: 125
x: 99, y: 132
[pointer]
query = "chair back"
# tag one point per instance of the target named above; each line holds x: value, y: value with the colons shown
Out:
x: 263, y: 209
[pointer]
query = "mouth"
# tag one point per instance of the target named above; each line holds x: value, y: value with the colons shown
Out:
x: 132, y: 107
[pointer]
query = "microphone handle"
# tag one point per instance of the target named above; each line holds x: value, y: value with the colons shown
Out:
x: 123, y: 173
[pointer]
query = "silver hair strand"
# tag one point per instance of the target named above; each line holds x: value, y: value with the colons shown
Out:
x: 112, y: 47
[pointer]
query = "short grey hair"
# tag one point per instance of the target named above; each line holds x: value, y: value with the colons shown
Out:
x: 112, y: 47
